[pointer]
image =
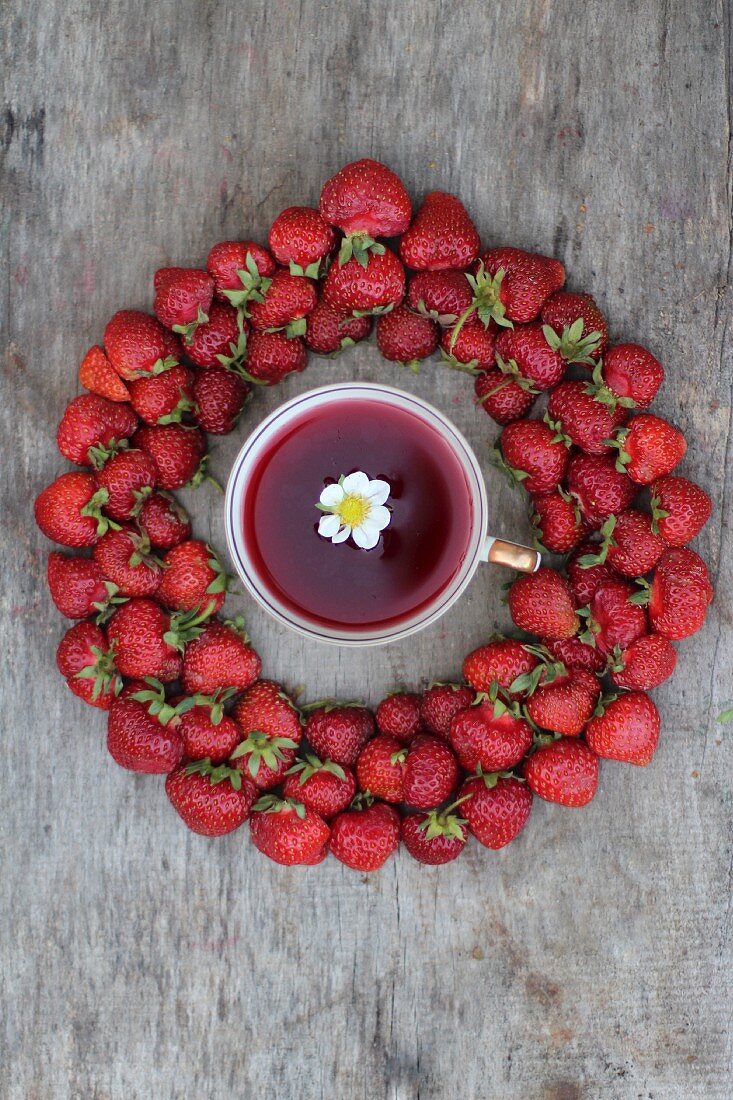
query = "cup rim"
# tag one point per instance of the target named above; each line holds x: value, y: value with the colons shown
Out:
x: 247, y: 456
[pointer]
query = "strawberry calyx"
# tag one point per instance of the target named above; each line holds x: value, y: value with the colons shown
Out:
x: 315, y: 270
x: 448, y: 360
x: 443, y: 319
x: 618, y: 441
x: 377, y: 311
x: 544, y: 673
x: 607, y: 529
x: 292, y: 329
x: 105, y: 608
x: 642, y: 597
x: 592, y: 628
x: 486, y: 305
x: 187, y: 625
x: 513, y: 475
x: 215, y: 773
x: 657, y: 513
x: 510, y: 368
x: 237, y: 625
x: 271, y: 804
x: 184, y: 406
x: 357, y: 246
x: 444, y: 822
x: 160, y: 366
x: 142, y: 554
x: 222, y: 579
x: 158, y: 706
x: 312, y: 765
x: 492, y: 778
x: 99, y: 454
x: 93, y: 509
x: 560, y: 436
x: 615, y: 660
x: 362, y: 801
x: 187, y: 331
x: 261, y: 749
x: 328, y: 705
x: 201, y: 476
x: 238, y: 351
x: 572, y: 345
x: 603, y: 702
x: 215, y: 703
x: 102, y: 671
x: 599, y: 389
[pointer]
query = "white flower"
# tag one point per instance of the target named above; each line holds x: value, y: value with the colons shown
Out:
x: 354, y: 507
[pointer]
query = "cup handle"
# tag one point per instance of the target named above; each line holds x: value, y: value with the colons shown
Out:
x: 512, y: 554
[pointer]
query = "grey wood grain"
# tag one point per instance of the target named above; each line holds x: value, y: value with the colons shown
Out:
x: 591, y: 958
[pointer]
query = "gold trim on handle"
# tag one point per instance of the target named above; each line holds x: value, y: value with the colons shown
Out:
x: 512, y: 554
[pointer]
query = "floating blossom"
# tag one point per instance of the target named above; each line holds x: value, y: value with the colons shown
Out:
x: 354, y: 507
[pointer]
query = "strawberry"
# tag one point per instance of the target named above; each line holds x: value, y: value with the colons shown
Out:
x: 178, y: 453
x: 431, y: 772
x: 434, y: 838
x: 211, y: 800
x: 240, y: 270
x: 499, y: 662
x: 339, y: 733
x: 86, y: 661
x: 542, y: 603
x: 324, y: 787
x: 631, y: 371
x: 91, y: 421
x: 565, y: 703
x: 380, y: 768
x: 440, y: 703
x: 147, y: 639
x: 365, y: 839
x: 579, y: 416
x: 193, y: 577
x: 440, y: 295
x: 557, y: 522
x: 69, y: 510
x: 611, y: 618
x: 129, y: 477
x: 496, y: 808
x: 220, y: 656
x: 405, y: 337
x: 490, y: 737
x: 272, y: 732
x: 124, y: 557
x: 97, y: 375
x: 441, y: 236
x: 399, y: 716
x: 207, y: 732
x: 78, y: 586
x: 328, y: 332
x: 587, y: 578
x: 219, y: 396
x: 137, y: 343
x: 573, y: 653
x: 577, y: 343
x: 564, y: 771
x: 285, y: 304
x: 625, y: 728
x: 512, y: 285
x: 287, y: 832
x: 680, y: 509
x: 365, y: 200
x: 629, y: 544
x: 532, y: 455
x: 502, y: 397
x: 680, y: 594
x: 645, y: 664
x: 599, y: 487
x: 527, y: 354
x: 374, y: 286
x: 164, y: 521
x: 182, y: 299
x: 468, y: 349
x: 272, y: 355
x: 142, y: 735
x: 163, y: 397
x: 649, y: 448
x: 301, y: 240
x: 222, y: 340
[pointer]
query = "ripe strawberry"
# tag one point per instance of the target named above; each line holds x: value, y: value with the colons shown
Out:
x: 565, y: 771
x: 129, y: 477
x: 586, y: 579
x: 328, y: 332
x: 147, y: 640
x: 680, y: 509
x: 164, y: 397
x: 468, y: 349
x: 339, y: 733
x: 143, y: 736
x: 440, y: 295
x: 680, y: 594
x: 576, y: 654
x: 219, y: 395
x: 373, y: 286
x: 442, y: 235
x: 177, y: 452
x: 405, y: 337
x: 542, y: 603
x: 91, y: 421
x: 496, y: 808
x: 434, y: 838
x: 629, y: 544
x: 645, y: 664
x: 137, y: 343
x: 365, y: 199
x: 557, y: 521
x: 182, y: 299
x: 287, y: 832
x: 565, y: 704
x: 324, y: 787
x: 399, y: 716
x: 222, y: 340
x: 502, y: 397
x: 86, y: 661
x: 97, y: 375
x: 78, y: 586
x: 125, y: 559
x: 272, y: 355
x: 512, y: 285
x: 211, y: 800
x: 490, y: 737
x: 272, y: 732
x: 600, y: 489
x: 365, y: 839
x: 380, y: 768
x: 626, y: 728
x: 207, y: 732
x: 69, y: 510
x: 611, y: 619
x: 631, y: 371
x: 526, y: 352
x: 497, y: 663
x: 220, y: 656
x: 301, y: 240
x: 577, y: 343
x: 439, y: 705
x: 285, y: 304
x: 649, y: 448
x: 193, y: 577
x: 431, y: 772
x: 532, y: 455
x: 164, y: 521
x: 575, y: 413
x: 240, y: 270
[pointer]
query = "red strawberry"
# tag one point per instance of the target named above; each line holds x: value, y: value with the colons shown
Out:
x: 440, y: 704
x: 219, y: 395
x: 431, y: 772
x: 405, y: 337
x: 440, y: 295
x: 629, y: 544
x: 142, y: 735
x: 91, y: 421
x: 164, y: 521
x: 69, y: 510
x: 645, y: 664
x: 600, y: 489
x: 220, y: 656
x: 366, y: 199
x: 129, y: 478
x: 372, y: 287
x: 193, y: 577
x: 532, y: 455
x: 272, y: 732
x: 365, y: 839
x: 272, y: 355
x: 512, y: 285
x: 442, y: 235
x: 125, y: 559
x: 86, y: 661
x: 576, y: 654
x: 177, y: 452
x: 526, y: 353
x: 164, y: 397
x: 287, y: 832
x: 324, y: 787
x: 557, y: 521
x: 137, y: 343
x: 582, y: 418
x: 680, y: 594
x: 434, y: 838
x: 577, y: 343
x: 285, y: 304
x: 565, y: 771
x: 221, y: 341
x: 680, y: 509
x: 496, y: 808
x: 631, y: 371
x: 78, y: 586
x: 97, y: 375
x: 627, y: 728
x: 490, y: 737
x: 504, y: 398
x: 212, y: 801
x: 542, y: 603
x: 649, y: 448
x: 207, y: 732
x: 300, y: 239
x: 497, y: 663
x: 611, y: 618
x: 182, y: 299
x: 380, y: 768
x: 468, y: 349
x: 147, y: 640
x: 586, y: 579
x: 240, y: 270
x: 339, y: 733
x: 565, y: 703
x: 399, y: 716
x: 328, y: 332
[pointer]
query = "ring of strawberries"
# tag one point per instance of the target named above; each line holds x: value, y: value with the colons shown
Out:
x: 532, y: 715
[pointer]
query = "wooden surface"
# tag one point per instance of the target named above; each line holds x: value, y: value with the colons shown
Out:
x: 592, y: 957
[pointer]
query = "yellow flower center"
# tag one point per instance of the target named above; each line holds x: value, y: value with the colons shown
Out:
x: 353, y: 510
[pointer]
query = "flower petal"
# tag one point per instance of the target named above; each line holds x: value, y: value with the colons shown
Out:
x: 328, y: 525
x: 378, y: 491
x: 332, y: 495
x: 379, y: 517
x: 357, y: 482
x: 366, y: 536
x: 342, y: 535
